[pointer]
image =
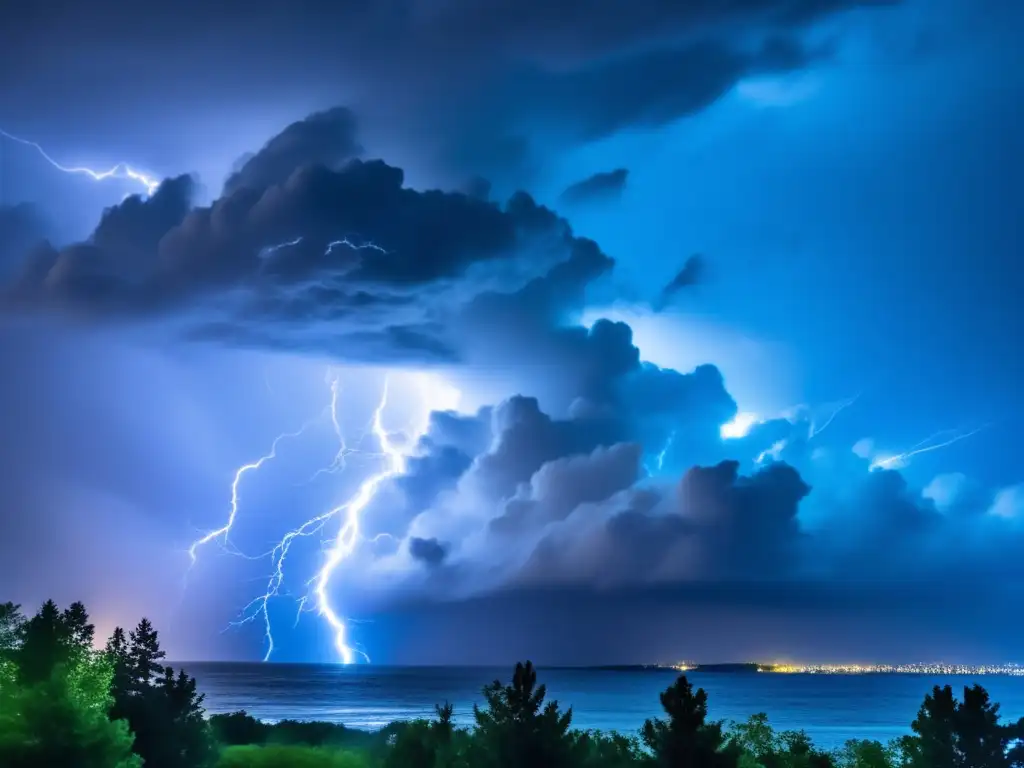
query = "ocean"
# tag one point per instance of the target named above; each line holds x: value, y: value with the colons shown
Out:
x: 831, y: 708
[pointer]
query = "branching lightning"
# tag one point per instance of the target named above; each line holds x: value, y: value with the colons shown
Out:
x: 943, y: 439
x: 225, y: 530
x: 344, y: 451
x: 347, y: 538
x: 121, y: 171
x: 836, y: 409
x: 349, y: 512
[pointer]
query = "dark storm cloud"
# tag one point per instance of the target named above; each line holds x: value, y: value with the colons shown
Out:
x: 716, y: 526
x: 21, y: 228
x: 463, y: 80
x: 606, y: 185
x: 428, y: 551
x: 324, y: 138
x: 349, y: 262
x: 691, y: 274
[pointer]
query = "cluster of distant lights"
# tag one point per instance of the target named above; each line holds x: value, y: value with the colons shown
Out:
x: 921, y: 668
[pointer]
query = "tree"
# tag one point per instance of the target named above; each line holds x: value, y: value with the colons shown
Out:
x: 144, y: 655
x: 865, y: 753
x: 610, y: 750
x: 164, y: 710
x: 238, y: 729
x: 968, y: 734
x: 428, y: 743
x: 518, y: 729
x: 12, y: 625
x: 55, y: 710
x: 687, y: 739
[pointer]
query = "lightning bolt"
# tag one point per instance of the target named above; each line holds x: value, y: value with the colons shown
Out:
x: 349, y: 534
x: 259, y: 607
x: 120, y: 171
x: 943, y: 439
x: 225, y: 529
x: 837, y: 408
x: 350, y: 511
x: 660, y: 457
x: 344, y: 451
x: 352, y: 246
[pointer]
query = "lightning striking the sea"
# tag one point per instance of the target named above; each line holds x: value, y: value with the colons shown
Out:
x: 350, y: 511
x: 348, y: 537
x: 121, y: 171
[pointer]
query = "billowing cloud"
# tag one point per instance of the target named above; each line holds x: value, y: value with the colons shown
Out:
x: 347, y: 262
x: 324, y: 138
x: 21, y: 227
x: 581, y: 72
x: 606, y: 185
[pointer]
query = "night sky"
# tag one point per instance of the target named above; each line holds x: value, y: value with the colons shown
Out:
x: 699, y: 325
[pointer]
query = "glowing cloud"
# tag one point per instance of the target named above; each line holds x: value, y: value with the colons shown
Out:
x: 740, y: 426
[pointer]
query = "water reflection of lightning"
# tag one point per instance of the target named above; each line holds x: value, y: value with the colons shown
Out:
x: 943, y: 439
x: 120, y: 171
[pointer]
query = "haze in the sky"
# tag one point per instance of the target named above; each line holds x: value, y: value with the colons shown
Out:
x: 583, y: 332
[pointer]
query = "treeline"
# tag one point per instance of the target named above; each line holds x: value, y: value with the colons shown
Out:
x: 65, y: 705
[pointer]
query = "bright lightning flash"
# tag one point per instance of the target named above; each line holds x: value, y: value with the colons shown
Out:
x: 348, y: 537
x: 225, y: 529
x: 942, y: 439
x: 437, y: 394
x: 120, y: 171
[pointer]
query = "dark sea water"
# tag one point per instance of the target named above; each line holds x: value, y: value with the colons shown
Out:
x: 831, y: 708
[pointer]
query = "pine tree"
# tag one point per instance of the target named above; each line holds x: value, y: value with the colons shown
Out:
x: 686, y: 739
x: 45, y: 644
x: 77, y: 628
x: 968, y: 734
x: 164, y: 710
x: 517, y: 728
x: 144, y: 656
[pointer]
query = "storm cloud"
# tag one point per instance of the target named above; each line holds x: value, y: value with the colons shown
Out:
x: 606, y: 185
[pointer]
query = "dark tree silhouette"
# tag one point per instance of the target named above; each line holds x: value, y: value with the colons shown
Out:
x: 518, y: 729
x: 238, y: 728
x: 50, y: 639
x: 968, y: 734
x: 686, y: 739
x: 163, y: 710
x: 144, y: 655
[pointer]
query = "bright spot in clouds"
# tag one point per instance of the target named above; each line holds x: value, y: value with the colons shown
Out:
x: 740, y: 426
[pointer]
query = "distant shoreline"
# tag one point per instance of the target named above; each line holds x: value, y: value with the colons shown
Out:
x: 1009, y: 670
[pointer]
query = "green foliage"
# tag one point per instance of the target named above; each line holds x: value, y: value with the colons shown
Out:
x: 952, y: 734
x: 63, y: 704
x: 238, y: 728
x: 517, y: 729
x: 429, y: 743
x: 686, y: 739
x: 288, y: 756
x: 609, y: 750
x: 163, y: 710
x: 864, y: 753
x: 56, y: 710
